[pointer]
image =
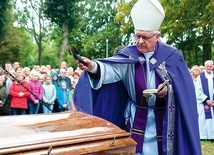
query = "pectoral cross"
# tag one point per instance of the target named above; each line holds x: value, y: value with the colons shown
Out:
x: 147, y: 96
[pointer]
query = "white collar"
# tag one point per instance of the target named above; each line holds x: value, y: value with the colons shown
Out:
x: 148, y: 55
x: 209, y: 75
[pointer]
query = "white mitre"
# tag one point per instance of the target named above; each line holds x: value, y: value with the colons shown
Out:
x: 147, y: 15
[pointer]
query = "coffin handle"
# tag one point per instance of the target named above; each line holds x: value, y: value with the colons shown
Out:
x: 49, y: 150
x: 112, y: 143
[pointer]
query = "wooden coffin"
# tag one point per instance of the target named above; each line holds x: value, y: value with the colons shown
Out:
x: 70, y: 133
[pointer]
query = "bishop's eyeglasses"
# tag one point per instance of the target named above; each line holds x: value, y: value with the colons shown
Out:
x: 144, y: 38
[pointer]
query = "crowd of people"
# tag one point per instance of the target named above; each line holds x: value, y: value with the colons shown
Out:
x: 127, y: 88
x: 41, y: 89
x: 203, y: 79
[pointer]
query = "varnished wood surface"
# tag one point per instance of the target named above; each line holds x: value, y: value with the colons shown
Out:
x: 66, y: 133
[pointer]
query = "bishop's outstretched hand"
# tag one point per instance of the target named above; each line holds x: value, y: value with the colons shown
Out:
x: 90, y: 64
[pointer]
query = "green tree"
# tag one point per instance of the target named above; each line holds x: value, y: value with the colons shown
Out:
x: 123, y: 17
x: 5, y: 16
x: 189, y: 25
x: 16, y: 46
x: 13, y: 41
x: 51, y: 48
x: 62, y: 13
x: 29, y: 50
x: 30, y: 16
x: 97, y: 33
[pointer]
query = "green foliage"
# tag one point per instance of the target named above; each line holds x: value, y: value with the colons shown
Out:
x: 50, y: 57
x: 30, y: 15
x: 60, y: 11
x: 5, y: 16
x: 16, y: 46
x: 51, y: 50
x: 188, y: 25
x: 124, y: 19
x: 97, y: 24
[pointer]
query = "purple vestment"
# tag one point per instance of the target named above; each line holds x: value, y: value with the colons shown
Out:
x: 205, y: 87
x: 180, y: 120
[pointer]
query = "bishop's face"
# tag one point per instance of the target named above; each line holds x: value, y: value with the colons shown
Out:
x: 146, y: 40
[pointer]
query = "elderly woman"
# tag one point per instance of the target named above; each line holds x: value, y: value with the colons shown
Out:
x: 37, y: 93
x: 19, y: 95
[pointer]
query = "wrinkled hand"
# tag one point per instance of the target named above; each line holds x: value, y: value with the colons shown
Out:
x: 21, y: 94
x: 212, y: 104
x: 90, y: 64
x: 64, y: 105
x: 209, y: 102
x: 206, y: 107
x: 163, y: 92
x: 36, y: 101
x: 48, y: 102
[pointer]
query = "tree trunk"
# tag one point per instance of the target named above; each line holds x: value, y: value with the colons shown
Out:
x: 207, y: 50
x: 39, y: 53
x: 196, y: 57
x: 64, y: 42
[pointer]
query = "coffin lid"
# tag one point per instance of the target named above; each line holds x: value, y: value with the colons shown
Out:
x: 28, y: 132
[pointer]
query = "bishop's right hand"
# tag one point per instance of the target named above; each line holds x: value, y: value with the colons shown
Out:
x: 90, y: 64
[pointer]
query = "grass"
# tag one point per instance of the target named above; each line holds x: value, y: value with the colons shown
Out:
x: 207, y: 148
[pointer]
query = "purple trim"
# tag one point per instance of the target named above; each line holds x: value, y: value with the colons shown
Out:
x: 141, y: 114
x: 205, y: 87
x: 140, y: 84
x: 140, y: 119
x: 160, y: 103
x: 207, y: 112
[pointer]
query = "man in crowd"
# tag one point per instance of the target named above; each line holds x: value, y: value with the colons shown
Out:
x: 205, y: 103
x: 63, y: 77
